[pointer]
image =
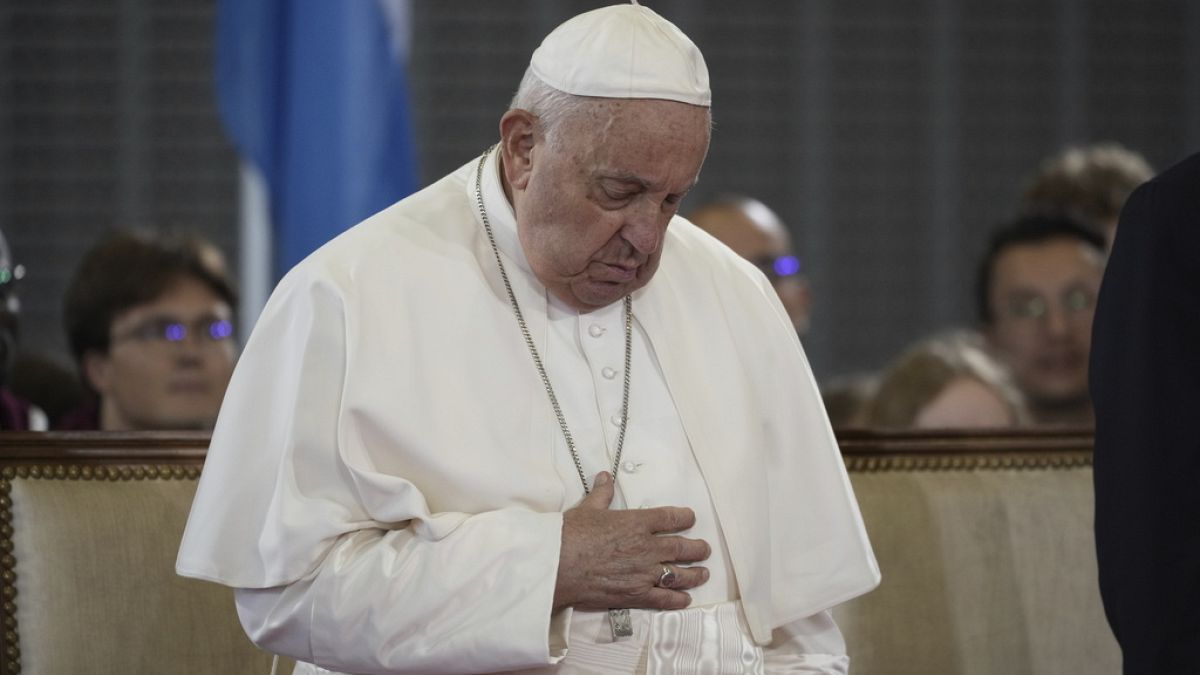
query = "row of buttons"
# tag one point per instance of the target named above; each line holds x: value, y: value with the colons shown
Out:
x: 597, y: 331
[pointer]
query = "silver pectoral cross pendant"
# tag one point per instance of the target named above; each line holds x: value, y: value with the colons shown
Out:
x: 622, y: 625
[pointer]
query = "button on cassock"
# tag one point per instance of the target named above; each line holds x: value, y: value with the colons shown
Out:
x: 595, y: 330
x: 608, y: 373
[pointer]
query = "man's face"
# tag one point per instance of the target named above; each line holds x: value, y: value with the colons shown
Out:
x: 592, y: 208
x: 169, y: 361
x: 1042, y: 297
x: 755, y: 233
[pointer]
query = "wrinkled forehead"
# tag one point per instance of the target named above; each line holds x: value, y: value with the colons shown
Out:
x: 646, y: 139
x: 604, y: 117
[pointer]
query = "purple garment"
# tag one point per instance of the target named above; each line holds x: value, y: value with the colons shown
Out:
x: 84, y: 418
x: 14, y: 411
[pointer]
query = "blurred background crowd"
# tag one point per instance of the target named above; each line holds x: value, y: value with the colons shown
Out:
x: 932, y: 187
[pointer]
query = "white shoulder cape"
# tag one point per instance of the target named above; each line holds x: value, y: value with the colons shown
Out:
x: 387, y: 388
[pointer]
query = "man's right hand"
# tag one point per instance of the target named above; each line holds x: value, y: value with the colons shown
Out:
x: 614, y: 559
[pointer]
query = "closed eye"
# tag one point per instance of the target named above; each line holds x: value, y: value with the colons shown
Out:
x: 618, y: 195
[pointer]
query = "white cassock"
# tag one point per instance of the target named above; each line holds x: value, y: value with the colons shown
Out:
x: 386, y: 480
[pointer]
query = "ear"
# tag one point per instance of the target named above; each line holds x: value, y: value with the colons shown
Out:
x: 803, y: 299
x: 805, y: 293
x: 97, y: 370
x: 517, y: 135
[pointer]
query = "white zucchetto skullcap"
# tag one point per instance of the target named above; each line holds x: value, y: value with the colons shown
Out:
x: 623, y: 51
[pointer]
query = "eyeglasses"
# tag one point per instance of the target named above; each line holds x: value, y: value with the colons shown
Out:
x: 9, y: 276
x: 208, y: 331
x: 1075, y: 302
x: 778, y: 268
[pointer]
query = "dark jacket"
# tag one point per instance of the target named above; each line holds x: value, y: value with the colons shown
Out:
x: 1145, y: 384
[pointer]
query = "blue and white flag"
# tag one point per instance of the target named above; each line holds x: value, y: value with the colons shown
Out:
x: 313, y: 94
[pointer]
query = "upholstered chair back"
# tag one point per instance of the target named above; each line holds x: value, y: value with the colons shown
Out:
x: 985, y: 543
x: 987, y: 553
x: 88, y: 576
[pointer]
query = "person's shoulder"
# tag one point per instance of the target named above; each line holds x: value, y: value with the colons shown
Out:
x: 711, y: 280
x: 1185, y: 174
x: 450, y: 191
x: 441, y: 209
x: 1168, y: 204
x: 694, y: 251
x: 700, y: 246
x: 686, y: 234
x: 397, y: 238
x: 1159, y: 221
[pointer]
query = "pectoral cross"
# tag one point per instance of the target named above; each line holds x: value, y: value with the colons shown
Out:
x: 621, y: 623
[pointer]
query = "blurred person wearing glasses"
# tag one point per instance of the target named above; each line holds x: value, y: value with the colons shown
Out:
x: 753, y: 231
x: 1036, y: 294
x: 16, y: 414
x: 149, y: 320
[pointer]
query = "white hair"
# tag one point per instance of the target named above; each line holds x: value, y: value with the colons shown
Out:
x: 551, y: 105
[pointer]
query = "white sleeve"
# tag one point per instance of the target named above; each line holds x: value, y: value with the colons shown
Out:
x: 341, y: 564
x: 389, y: 603
x: 813, y: 644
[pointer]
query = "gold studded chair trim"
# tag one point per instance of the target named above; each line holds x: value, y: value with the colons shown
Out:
x: 8, y: 574
x: 79, y: 456
x: 953, y: 450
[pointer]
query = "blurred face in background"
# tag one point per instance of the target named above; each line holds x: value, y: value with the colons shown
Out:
x: 753, y: 231
x: 168, y: 363
x: 1042, y: 299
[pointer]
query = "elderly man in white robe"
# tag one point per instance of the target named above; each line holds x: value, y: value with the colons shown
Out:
x: 529, y: 419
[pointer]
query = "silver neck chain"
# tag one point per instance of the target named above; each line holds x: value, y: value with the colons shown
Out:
x: 537, y: 359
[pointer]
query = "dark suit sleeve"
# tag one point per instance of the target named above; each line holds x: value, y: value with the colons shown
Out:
x: 1145, y: 383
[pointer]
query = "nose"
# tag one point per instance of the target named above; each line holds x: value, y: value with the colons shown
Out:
x: 642, y: 230
x: 189, y: 352
x: 1056, y: 321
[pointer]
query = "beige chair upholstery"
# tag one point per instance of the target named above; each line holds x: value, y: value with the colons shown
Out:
x: 985, y: 546
x: 988, y: 567
x: 90, y: 587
